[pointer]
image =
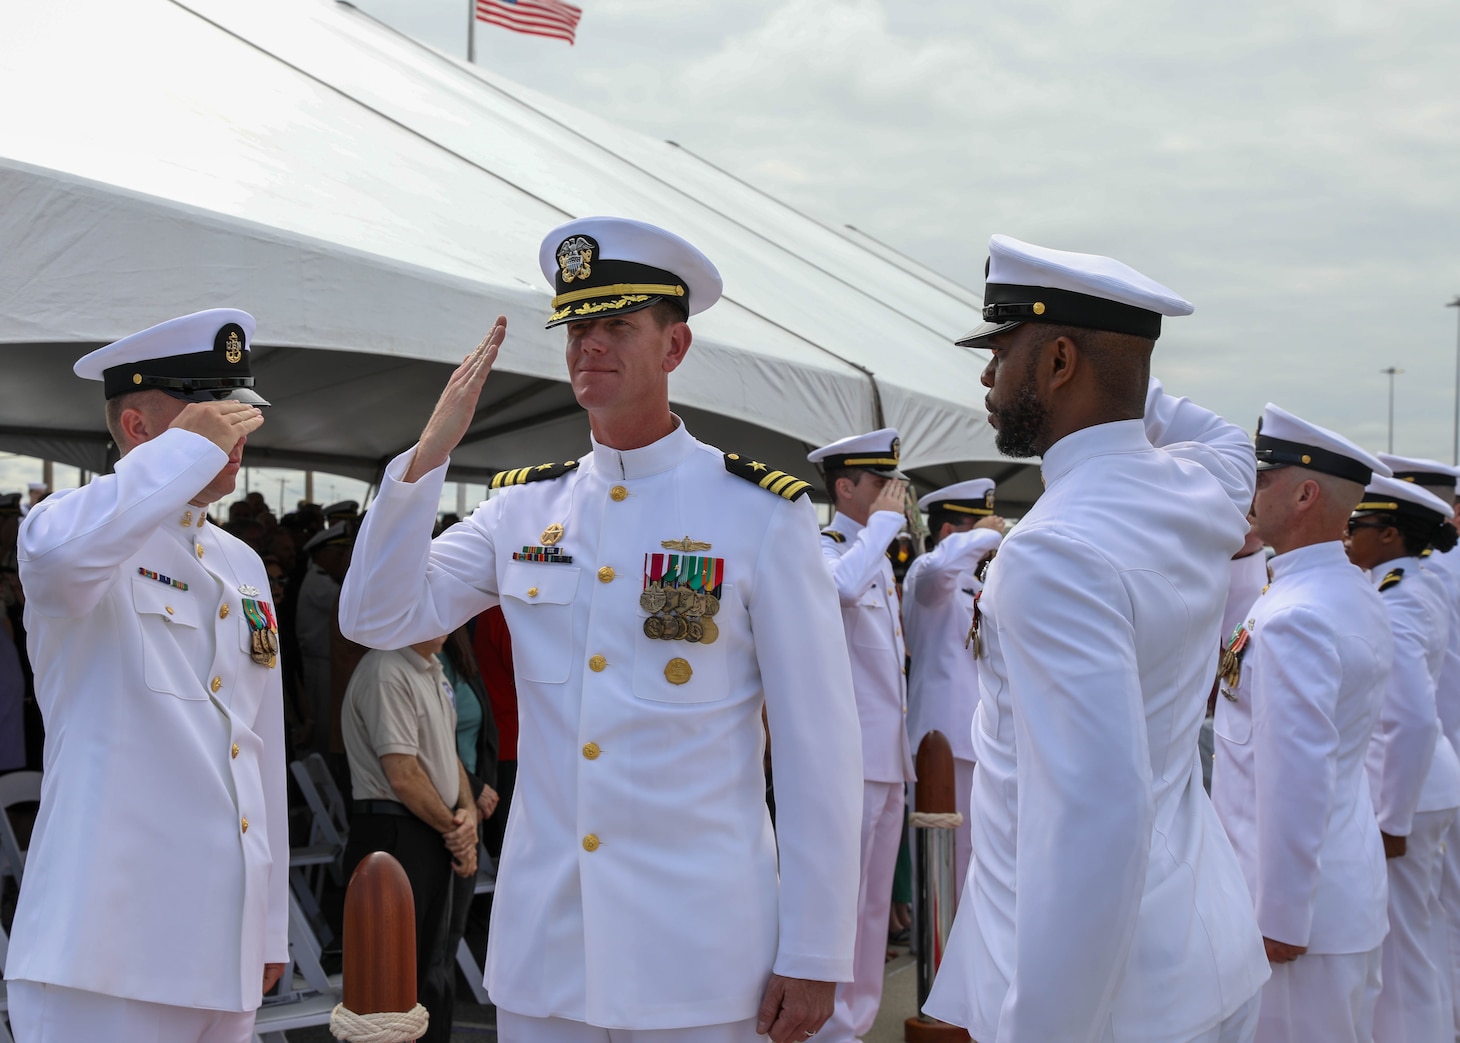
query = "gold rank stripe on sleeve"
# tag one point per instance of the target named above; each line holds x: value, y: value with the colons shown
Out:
x: 779, y: 482
x: 537, y: 473
x: 1391, y: 578
x: 834, y: 536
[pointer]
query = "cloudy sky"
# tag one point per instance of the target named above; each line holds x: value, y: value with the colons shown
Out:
x: 1293, y: 169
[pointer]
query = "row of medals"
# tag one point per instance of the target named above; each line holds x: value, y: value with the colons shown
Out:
x: 680, y: 614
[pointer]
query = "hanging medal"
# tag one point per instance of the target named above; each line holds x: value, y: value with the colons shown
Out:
x: 974, y: 640
x: 1229, y: 667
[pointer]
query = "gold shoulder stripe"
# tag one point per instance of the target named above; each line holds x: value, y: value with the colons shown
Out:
x: 538, y: 473
x: 779, y: 482
x: 834, y: 535
x: 1391, y: 579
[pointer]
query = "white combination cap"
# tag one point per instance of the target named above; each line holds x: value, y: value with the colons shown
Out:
x: 1028, y: 283
x: 1285, y: 440
x: 1437, y: 477
x: 877, y: 451
x: 1396, y: 496
x: 611, y: 265
x: 975, y: 496
x: 202, y: 357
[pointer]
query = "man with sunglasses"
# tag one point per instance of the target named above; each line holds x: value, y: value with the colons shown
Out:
x: 1302, y: 682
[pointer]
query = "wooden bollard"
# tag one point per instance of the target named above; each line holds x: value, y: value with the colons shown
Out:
x: 937, y: 795
x: 380, y: 938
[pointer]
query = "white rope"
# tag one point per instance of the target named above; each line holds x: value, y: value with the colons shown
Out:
x: 935, y: 819
x: 386, y: 1027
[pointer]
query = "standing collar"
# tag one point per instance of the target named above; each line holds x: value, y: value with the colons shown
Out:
x: 1407, y: 564
x: 1323, y: 555
x: 844, y: 524
x: 655, y: 458
x: 1118, y: 436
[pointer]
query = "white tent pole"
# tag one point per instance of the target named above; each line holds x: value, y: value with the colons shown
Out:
x: 471, y: 30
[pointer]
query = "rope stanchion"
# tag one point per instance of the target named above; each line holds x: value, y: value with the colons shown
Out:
x: 934, y: 820
x: 381, y: 1027
x: 379, y: 1004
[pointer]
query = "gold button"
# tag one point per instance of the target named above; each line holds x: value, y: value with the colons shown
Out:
x: 1038, y: 308
x: 235, y: 751
x: 1307, y: 459
x: 169, y: 609
x: 200, y: 550
x: 677, y: 671
x: 606, y: 574
x: 245, y: 825
x: 223, y: 612
x: 590, y: 842
x: 216, y: 683
x: 591, y: 750
x: 136, y: 378
x: 597, y: 664
x: 532, y: 592
x: 618, y: 492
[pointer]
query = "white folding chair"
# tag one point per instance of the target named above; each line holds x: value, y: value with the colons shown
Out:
x: 326, y: 848
x: 18, y: 787
x: 470, y: 969
x: 5, y: 1036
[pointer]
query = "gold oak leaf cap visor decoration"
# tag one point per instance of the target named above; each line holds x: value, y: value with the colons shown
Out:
x: 601, y: 266
x: 202, y: 357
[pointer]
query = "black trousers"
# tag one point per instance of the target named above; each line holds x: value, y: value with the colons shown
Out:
x: 422, y: 853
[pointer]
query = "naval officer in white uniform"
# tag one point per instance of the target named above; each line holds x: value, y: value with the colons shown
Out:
x: 1439, y: 478
x: 1103, y: 902
x: 659, y: 594
x: 938, y: 596
x: 869, y: 495
x: 155, y: 903
x: 1414, y: 774
x: 1302, y: 682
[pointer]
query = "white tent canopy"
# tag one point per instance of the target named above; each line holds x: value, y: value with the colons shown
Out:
x: 375, y: 204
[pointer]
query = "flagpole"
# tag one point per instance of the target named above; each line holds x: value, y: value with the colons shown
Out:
x: 471, y: 31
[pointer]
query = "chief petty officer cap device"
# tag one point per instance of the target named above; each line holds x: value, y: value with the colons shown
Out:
x: 877, y: 451
x: 975, y: 496
x: 202, y: 357
x: 601, y: 266
x: 1028, y: 283
x: 1285, y: 440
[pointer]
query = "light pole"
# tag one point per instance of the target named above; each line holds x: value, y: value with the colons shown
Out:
x: 1392, y: 372
x: 1455, y: 450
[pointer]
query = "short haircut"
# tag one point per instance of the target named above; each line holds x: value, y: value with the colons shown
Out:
x: 833, y: 473
x: 667, y: 312
x: 1122, y: 362
x: 138, y: 400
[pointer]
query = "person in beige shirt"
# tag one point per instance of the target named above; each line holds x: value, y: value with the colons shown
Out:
x: 412, y: 798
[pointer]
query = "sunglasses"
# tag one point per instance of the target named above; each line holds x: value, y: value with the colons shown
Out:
x: 1355, y: 524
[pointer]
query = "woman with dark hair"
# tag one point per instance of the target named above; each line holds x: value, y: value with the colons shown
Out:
x: 1414, y: 774
x: 476, y: 744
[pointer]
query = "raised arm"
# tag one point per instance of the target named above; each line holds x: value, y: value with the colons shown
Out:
x: 933, y: 576
x: 1187, y: 430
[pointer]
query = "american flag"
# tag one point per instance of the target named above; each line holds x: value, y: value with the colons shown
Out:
x: 538, y: 17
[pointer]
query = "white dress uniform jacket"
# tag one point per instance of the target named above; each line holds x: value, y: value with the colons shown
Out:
x: 1289, y: 780
x: 1103, y: 902
x: 872, y: 620
x: 159, y: 865
x: 638, y: 882
x: 937, y: 607
x: 1412, y: 766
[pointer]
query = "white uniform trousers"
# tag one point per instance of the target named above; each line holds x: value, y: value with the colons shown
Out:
x: 1450, y: 907
x: 519, y: 1028
x: 857, y: 1000
x: 1411, y: 1005
x: 1321, y: 998
x: 41, y: 1013
x: 1240, y: 1027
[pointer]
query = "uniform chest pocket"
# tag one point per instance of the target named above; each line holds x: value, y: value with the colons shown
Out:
x: 538, y: 603
x: 1233, y: 721
x: 874, y: 622
x: 169, y: 620
x: 685, y: 671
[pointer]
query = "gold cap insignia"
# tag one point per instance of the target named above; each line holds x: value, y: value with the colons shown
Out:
x: 575, y: 257
x: 685, y: 544
x: 233, y: 348
x: 896, y: 449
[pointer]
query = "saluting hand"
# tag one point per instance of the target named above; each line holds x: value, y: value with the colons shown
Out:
x: 222, y: 423
x: 892, y: 497
x: 993, y: 521
x: 457, y: 405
